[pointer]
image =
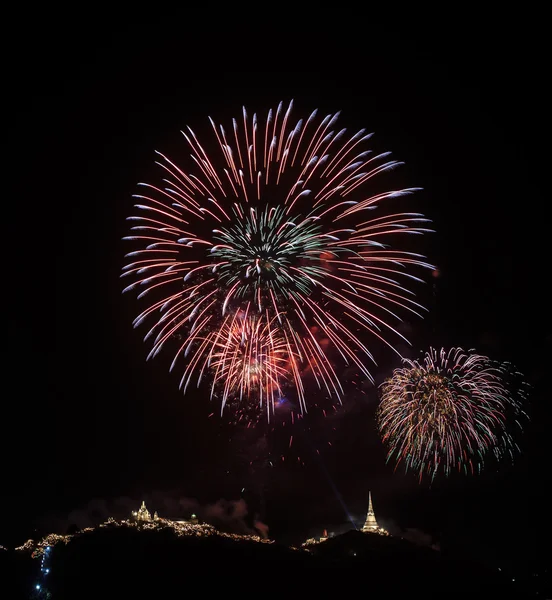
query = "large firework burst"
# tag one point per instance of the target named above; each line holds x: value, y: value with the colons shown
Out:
x: 270, y: 220
x: 450, y: 411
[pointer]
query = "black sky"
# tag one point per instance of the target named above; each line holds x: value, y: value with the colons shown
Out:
x: 463, y: 105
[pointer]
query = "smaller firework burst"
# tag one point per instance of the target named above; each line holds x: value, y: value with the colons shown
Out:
x: 451, y: 410
x: 250, y: 360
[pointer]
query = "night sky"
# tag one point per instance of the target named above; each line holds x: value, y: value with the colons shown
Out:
x: 87, y: 418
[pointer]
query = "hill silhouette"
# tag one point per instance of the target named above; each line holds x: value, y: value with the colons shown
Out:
x: 128, y: 562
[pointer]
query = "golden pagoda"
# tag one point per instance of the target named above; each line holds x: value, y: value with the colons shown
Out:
x: 371, y: 524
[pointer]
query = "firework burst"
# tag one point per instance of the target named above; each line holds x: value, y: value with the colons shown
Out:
x: 270, y: 219
x: 449, y: 411
x: 250, y: 358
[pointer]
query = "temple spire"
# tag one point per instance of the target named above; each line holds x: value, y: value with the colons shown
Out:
x: 370, y: 524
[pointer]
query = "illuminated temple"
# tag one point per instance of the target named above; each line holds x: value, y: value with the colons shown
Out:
x: 371, y: 525
x: 143, y: 515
